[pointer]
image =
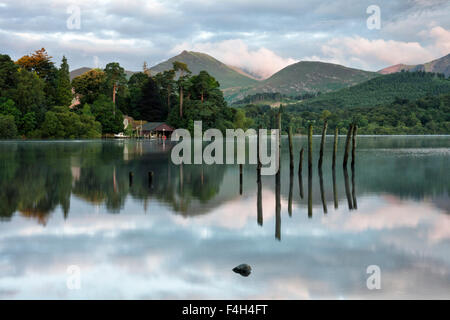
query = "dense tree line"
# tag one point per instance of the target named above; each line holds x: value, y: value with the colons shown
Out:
x: 37, y: 101
x: 427, y: 115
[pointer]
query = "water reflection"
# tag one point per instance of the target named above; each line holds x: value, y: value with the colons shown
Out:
x: 180, y: 232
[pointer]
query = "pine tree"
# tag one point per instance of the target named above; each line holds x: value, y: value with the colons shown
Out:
x: 64, y: 89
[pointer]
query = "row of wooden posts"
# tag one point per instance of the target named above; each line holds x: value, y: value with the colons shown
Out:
x: 351, y: 196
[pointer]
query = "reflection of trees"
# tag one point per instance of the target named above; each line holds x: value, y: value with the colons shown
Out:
x: 35, y: 179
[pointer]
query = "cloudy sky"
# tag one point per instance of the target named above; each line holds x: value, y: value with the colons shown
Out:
x: 261, y: 36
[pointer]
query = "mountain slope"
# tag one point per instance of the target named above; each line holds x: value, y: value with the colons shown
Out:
x: 381, y: 91
x: 197, y: 62
x: 441, y: 65
x: 306, y: 76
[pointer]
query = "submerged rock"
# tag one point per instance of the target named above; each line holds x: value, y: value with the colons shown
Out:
x: 243, y: 269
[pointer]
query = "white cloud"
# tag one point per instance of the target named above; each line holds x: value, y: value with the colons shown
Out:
x: 261, y: 62
x: 364, y: 53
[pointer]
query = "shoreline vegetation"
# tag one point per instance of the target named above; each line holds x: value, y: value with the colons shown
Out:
x: 38, y: 101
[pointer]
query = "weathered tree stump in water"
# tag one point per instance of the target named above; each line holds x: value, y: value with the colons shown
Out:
x: 355, y: 130
x: 291, y: 155
x: 347, y: 144
x: 322, y: 142
x: 310, y: 132
x: 336, y: 134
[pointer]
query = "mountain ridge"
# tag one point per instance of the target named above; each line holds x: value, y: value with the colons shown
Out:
x: 439, y: 65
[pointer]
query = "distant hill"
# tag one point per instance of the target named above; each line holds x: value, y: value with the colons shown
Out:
x: 77, y: 72
x: 382, y: 90
x: 441, y: 65
x: 227, y: 76
x: 306, y: 77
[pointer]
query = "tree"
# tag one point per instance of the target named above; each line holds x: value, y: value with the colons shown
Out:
x: 29, y: 94
x: 150, y: 106
x: 165, y: 81
x: 8, y: 75
x: 203, y: 84
x: 8, y: 129
x: 40, y: 63
x: 90, y: 85
x: 136, y: 85
x: 63, y: 123
x: 102, y: 109
x: 63, y: 87
x: 115, y: 79
x: 183, y: 70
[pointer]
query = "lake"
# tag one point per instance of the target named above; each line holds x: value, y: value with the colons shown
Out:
x: 72, y: 204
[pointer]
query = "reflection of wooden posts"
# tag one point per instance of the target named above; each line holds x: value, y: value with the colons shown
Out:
x: 355, y: 205
x: 336, y: 134
x: 347, y: 189
x: 309, y: 193
x: 181, y: 178
x: 335, y: 195
x: 259, y: 201
x: 300, y: 177
x: 322, y: 191
x: 322, y: 142
x: 355, y: 130
x: 130, y: 175
x: 258, y: 181
x: 150, y: 179
x: 240, y: 179
x: 291, y: 155
x: 347, y: 144
x: 291, y: 186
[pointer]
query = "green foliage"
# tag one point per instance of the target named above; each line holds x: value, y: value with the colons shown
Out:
x: 29, y: 95
x: 150, y: 107
x: 427, y: 115
x: 8, y: 75
x: 8, y: 129
x: 63, y: 88
x: 65, y: 124
x: 90, y: 85
x: 108, y: 115
x: 381, y: 91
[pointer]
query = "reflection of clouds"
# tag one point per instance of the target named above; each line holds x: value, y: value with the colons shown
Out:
x: 395, y: 213
x: 159, y: 255
x: 234, y: 214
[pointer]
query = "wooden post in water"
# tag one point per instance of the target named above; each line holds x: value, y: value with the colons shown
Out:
x: 347, y: 144
x: 322, y: 142
x: 278, y: 184
x: 300, y: 178
x: 355, y: 130
x: 310, y: 132
x: 130, y: 175
x: 279, y: 137
x: 291, y: 154
x: 336, y: 135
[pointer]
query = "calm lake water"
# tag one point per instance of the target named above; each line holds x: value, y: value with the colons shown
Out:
x: 71, y: 203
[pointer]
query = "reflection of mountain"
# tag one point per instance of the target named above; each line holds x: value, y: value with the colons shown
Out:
x: 38, y: 177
